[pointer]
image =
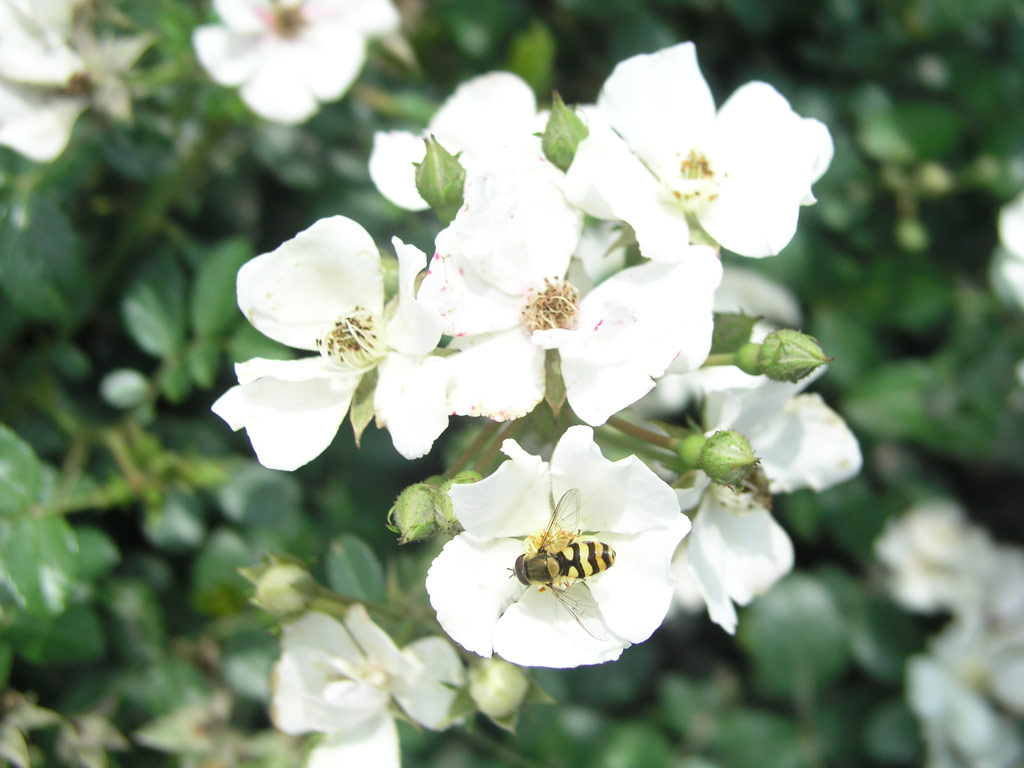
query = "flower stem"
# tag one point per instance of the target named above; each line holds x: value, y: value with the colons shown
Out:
x: 642, y: 433
x: 463, y: 460
x: 721, y: 358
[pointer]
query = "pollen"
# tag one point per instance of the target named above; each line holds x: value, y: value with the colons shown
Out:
x: 288, y: 20
x: 353, y: 340
x: 556, y: 306
x: 696, y: 167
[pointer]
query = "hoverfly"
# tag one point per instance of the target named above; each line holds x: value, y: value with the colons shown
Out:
x: 557, y: 560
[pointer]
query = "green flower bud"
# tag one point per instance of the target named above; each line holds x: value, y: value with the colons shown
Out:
x: 283, y: 587
x: 440, y: 179
x: 689, y: 449
x: 497, y: 687
x: 788, y: 355
x: 727, y: 458
x: 412, y: 515
x: 562, y: 134
x: 747, y: 358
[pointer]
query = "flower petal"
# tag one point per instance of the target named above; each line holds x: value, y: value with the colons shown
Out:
x: 659, y: 103
x: 486, y: 111
x: 736, y: 547
x: 808, y: 446
x: 289, y: 423
x: 636, y: 592
x: 607, y: 181
x: 36, y: 122
x: 374, y: 742
x: 428, y: 696
x: 470, y: 585
x: 332, y: 55
x: 277, y: 89
x: 498, y: 375
x: 294, y: 293
x: 374, y: 643
x: 538, y: 631
x: 392, y: 170
x: 371, y: 18
x: 411, y: 401
x: 415, y: 328
x: 230, y: 59
x: 767, y: 157
x: 1011, y: 226
x: 639, y: 321
x: 244, y: 16
x: 514, y: 500
x: 623, y: 496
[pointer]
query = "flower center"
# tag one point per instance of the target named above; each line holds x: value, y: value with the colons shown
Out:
x: 556, y: 306
x: 288, y: 20
x: 79, y: 84
x: 353, y: 340
x: 695, y: 182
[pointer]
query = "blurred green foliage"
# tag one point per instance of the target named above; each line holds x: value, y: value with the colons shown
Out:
x: 126, y: 506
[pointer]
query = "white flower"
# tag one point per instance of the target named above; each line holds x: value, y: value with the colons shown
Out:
x: 497, y: 279
x: 491, y: 115
x: 323, y: 290
x: 737, y: 550
x: 289, y: 56
x: 936, y: 560
x: 950, y: 690
x: 1007, y: 270
x: 340, y: 678
x: 50, y: 73
x: 485, y: 609
x: 658, y: 152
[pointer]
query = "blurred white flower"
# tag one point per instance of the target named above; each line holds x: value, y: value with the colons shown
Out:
x: 289, y: 56
x: 339, y: 678
x: 486, y: 117
x: 497, y: 279
x: 737, y: 550
x: 624, y: 505
x: 956, y: 689
x: 323, y: 290
x: 935, y: 559
x: 51, y: 70
x: 658, y: 153
x: 1007, y: 268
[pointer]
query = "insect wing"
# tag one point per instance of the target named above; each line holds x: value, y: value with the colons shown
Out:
x: 588, y: 619
x: 564, y: 517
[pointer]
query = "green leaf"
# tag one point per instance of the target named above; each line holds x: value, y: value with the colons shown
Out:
x: 257, y: 496
x: 217, y: 587
x: 361, y: 410
x: 353, y: 569
x: 554, y: 384
x: 177, y: 525
x: 752, y: 739
x: 532, y: 56
x: 38, y: 558
x: 6, y: 660
x: 137, y: 620
x: 890, y: 734
x: 796, y: 637
x: 175, y: 380
x: 214, y: 307
x: 72, y: 637
x: 153, y: 308
x: 203, y: 362
x: 21, y: 479
x: 97, y: 552
x: 731, y: 332
x: 41, y: 267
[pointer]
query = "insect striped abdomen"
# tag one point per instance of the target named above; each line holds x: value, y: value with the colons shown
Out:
x: 584, y: 558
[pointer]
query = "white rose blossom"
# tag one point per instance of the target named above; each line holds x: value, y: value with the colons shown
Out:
x: 658, y: 153
x: 340, y: 678
x: 323, y: 291
x: 623, y: 504
x: 51, y: 71
x: 737, y: 550
x: 486, y: 119
x: 287, y: 57
x: 497, y: 279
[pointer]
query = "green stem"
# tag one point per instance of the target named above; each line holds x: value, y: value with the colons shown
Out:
x: 641, y: 433
x: 721, y: 358
x: 488, y: 457
x: 463, y: 460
